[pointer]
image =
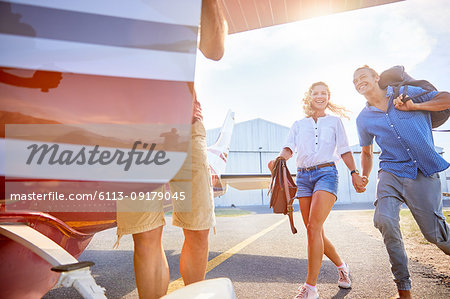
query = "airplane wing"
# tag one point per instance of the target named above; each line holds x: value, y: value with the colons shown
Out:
x: 243, y: 15
x: 218, y: 157
x: 248, y: 181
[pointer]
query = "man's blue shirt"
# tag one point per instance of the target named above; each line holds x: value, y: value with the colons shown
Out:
x: 405, y: 137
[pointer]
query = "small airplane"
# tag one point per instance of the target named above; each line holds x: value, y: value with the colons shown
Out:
x: 47, y: 244
x: 60, y: 69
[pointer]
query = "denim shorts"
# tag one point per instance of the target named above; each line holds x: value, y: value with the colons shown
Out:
x: 325, y: 179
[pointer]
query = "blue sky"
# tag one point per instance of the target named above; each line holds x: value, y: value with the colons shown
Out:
x: 265, y: 72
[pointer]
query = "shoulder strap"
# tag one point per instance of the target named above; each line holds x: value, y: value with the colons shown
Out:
x: 289, y: 200
x: 275, y: 176
x: 406, y: 98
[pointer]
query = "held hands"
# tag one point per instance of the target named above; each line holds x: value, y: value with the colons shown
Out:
x: 359, y: 182
x: 409, y: 105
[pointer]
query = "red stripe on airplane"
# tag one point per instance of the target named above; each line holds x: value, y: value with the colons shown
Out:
x: 28, y: 97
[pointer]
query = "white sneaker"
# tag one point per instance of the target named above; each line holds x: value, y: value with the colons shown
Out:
x: 305, y: 292
x: 344, y: 277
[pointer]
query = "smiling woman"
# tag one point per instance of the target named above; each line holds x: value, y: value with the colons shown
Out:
x: 318, y: 98
x: 320, y: 141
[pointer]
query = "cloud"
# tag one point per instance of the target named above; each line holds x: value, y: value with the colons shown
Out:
x: 433, y: 14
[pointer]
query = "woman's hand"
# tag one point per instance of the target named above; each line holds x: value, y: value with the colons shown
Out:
x: 272, y: 163
x: 359, y: 182
x: 285, y: 154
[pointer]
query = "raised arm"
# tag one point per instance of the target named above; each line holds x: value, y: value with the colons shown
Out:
x: 213, y: 29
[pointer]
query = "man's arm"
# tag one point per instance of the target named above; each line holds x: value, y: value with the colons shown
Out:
x: 440, y: 102
x: 358, y: 181
x: 213, y: 29
x: 366, y: 160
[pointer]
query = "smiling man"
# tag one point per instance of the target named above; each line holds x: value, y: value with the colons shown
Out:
x: 409, y: 165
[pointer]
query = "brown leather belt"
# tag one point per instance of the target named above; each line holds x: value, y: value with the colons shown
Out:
x: 316, y: 166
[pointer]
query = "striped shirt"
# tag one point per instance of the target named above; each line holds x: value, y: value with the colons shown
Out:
x: 405, y: 137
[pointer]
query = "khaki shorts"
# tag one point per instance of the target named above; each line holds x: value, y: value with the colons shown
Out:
x: 194, y: 177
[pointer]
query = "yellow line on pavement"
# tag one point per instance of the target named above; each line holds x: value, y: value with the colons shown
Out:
x: 174, y: 285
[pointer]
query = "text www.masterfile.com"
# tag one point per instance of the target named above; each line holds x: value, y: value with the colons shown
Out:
x: 97, y: 195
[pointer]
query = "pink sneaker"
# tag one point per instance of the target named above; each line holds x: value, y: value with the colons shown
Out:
x: 305, y: 292
x: 344, y: 277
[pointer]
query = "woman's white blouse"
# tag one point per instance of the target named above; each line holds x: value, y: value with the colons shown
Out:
x: 317, y: 143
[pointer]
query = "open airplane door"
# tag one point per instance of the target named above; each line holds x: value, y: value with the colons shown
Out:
x: 95, y: 106
x: 89, y: 93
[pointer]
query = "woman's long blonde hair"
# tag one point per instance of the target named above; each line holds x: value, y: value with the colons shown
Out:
x: 307, y: 103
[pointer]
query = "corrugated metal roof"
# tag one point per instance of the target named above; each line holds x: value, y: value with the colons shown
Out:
x: 254, y: 135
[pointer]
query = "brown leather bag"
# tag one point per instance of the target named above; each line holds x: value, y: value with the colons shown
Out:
x: 282, y: 191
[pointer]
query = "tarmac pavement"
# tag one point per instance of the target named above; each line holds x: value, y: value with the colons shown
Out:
x: 271, y: 266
